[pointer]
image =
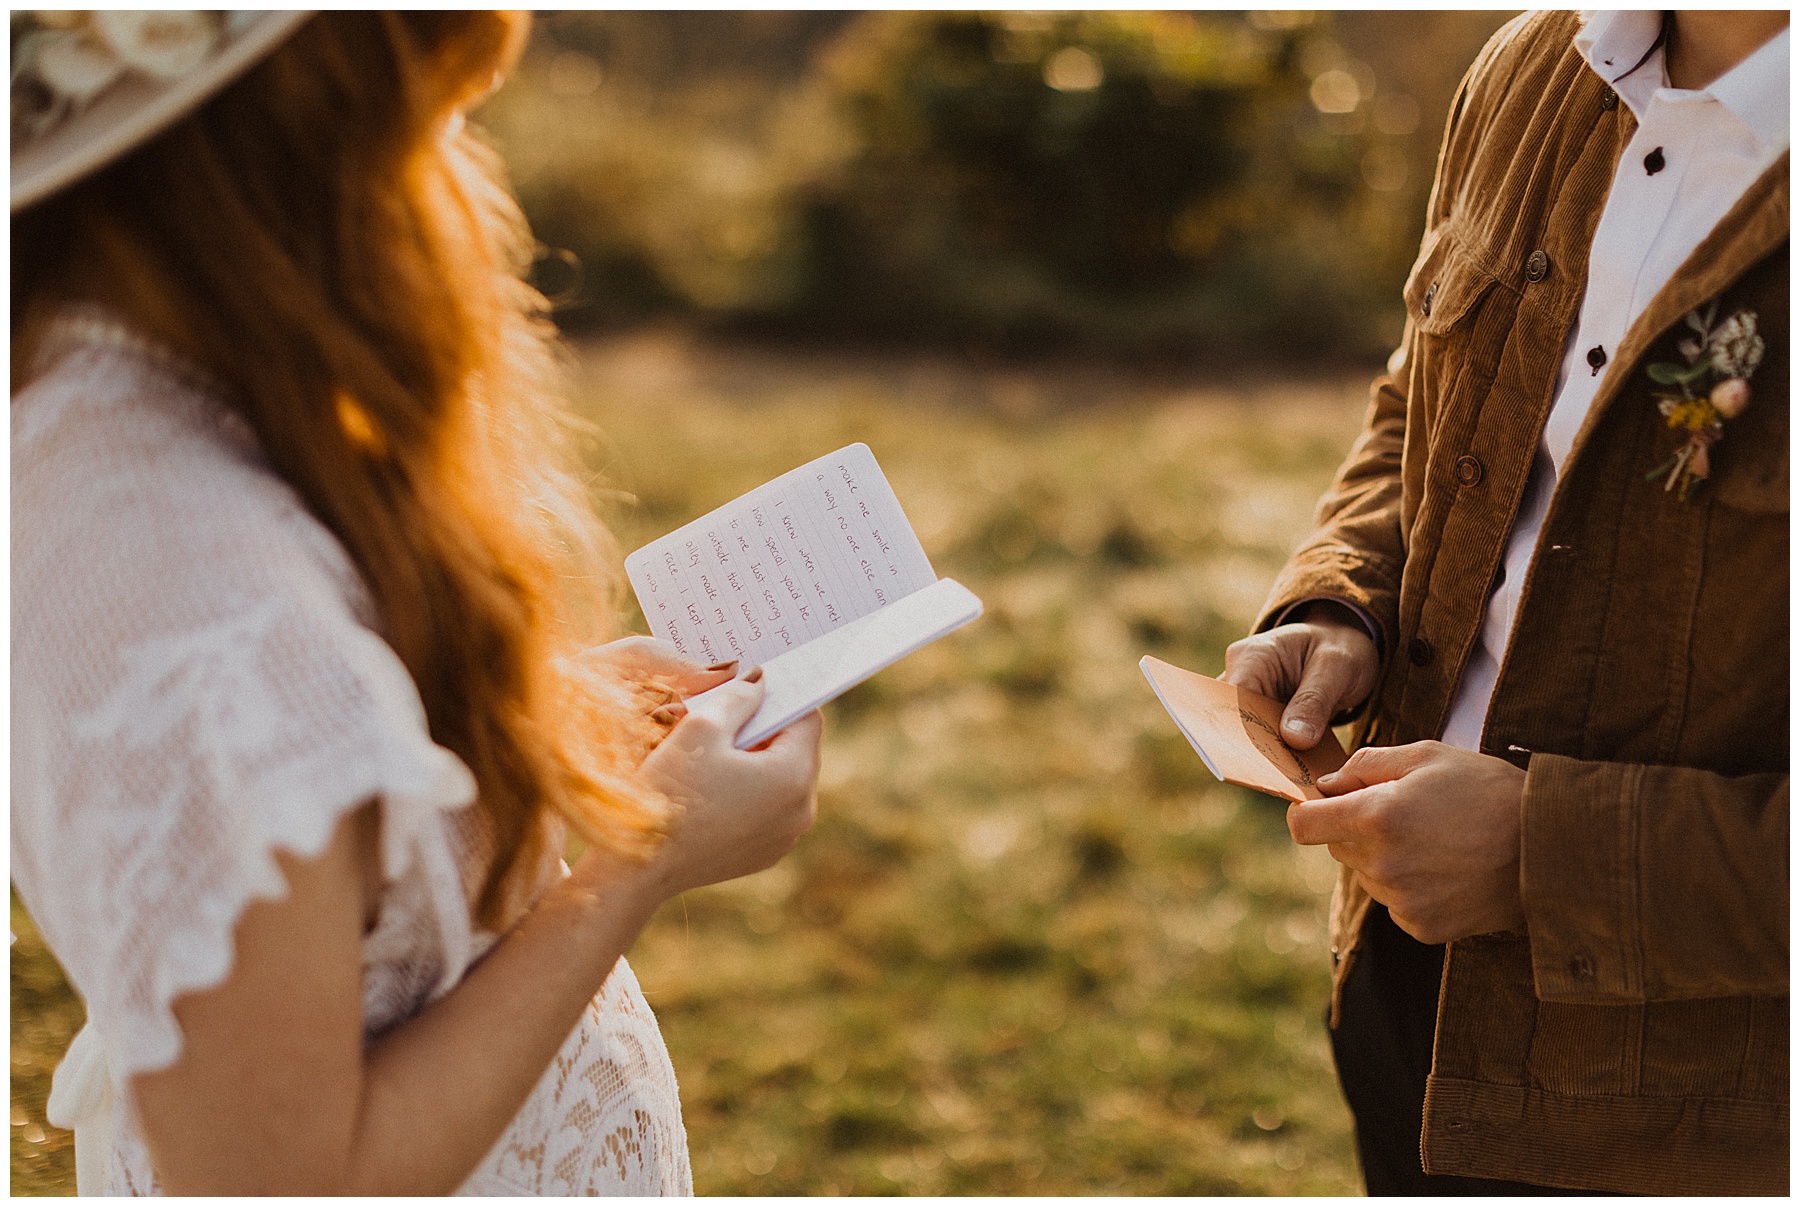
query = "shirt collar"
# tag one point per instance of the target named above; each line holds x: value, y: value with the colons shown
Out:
x: 1612, y: 41
x: 1755, y: 91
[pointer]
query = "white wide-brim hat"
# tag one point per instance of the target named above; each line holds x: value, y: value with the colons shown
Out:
x: 136, y: 105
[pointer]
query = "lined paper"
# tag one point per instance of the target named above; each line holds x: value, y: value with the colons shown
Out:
x: 798, y: 557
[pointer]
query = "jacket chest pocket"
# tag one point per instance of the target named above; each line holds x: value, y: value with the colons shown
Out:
x: 1445, y: 284
x: 1453, y: 343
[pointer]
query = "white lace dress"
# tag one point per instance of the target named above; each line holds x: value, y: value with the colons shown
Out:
x: 197, y: 680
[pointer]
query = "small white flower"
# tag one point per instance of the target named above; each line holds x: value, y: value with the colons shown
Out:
x: 1735, y: 347
x: 164, y: 44
x: 75, y: 67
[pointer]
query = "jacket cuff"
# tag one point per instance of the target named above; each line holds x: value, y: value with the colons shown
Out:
x: 1367, y: 582
x: 1368, y: 622
x: 1578, y: 879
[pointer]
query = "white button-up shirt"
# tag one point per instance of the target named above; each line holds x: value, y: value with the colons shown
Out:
x: 1694, y: 154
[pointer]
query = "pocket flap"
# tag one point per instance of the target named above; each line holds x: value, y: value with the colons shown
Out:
x: 1445, y: 282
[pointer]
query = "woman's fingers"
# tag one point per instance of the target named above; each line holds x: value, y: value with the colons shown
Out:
x: 693, y: 682
x: 641, y: 657
x: 727, y: 706
x: 647, y: 659
x: 799, y: 740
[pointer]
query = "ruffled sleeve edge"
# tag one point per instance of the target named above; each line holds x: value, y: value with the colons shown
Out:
x: 413, y: 784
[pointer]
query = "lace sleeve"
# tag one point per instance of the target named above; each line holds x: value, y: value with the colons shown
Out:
x: 195, y: 685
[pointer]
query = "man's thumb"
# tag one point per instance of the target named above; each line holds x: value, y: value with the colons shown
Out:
x: 1309, y: 709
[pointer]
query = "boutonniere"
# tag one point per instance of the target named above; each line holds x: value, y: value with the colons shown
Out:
x: 1711, y: 388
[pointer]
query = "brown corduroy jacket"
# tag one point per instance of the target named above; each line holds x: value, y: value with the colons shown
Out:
x: 1635, y: 1037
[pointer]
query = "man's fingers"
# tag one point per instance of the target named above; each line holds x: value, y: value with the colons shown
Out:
x: 1374, y: 765
x: 1253, y: 664
x: 1317, y: 823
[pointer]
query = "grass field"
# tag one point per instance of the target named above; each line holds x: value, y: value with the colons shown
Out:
x: 1031, y: 947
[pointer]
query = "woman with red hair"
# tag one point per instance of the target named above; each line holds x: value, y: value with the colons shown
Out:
x: 306, y: 681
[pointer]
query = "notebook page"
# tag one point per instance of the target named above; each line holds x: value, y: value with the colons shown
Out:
x: 794, y: 559
x: 801, y: 680
x: 1236, y: 733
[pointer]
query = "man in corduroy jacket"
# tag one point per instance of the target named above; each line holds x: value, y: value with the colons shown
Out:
x: 1552, y: 575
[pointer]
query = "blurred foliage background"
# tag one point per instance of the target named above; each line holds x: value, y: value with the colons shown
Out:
x: 1102, y: 291
x: 1174, y: 185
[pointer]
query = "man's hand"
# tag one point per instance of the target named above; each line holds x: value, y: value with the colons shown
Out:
x: 1432, y: 830
x: 1320, y: 665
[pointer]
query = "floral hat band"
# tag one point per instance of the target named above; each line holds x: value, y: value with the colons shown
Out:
x: 89, y: 86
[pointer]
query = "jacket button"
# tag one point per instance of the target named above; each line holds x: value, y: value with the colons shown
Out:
x: 1469, y: 470
x: 1609, y: 99
x: 1419, y: 651
x: 1581, y: 968
x: 1537, y: 266
x: 1425, y: 302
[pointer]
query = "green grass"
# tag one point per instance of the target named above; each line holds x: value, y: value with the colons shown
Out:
x: 1031, y: 946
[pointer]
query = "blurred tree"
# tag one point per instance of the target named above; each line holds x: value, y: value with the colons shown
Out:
x: 1120, y: 178
x: 1210, y: 185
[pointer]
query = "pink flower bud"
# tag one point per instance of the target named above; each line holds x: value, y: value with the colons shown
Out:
x: 1730, y: 397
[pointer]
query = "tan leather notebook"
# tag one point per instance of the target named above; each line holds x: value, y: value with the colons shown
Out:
x: 1237, y: 734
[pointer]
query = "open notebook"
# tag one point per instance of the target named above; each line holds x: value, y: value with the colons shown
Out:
x: 1237, y: 734
x: 815, y: 576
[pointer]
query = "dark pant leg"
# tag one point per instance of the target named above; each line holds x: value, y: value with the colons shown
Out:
x: 1387, y: 1019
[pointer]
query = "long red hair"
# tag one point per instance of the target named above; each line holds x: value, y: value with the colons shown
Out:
x: 326, y: 239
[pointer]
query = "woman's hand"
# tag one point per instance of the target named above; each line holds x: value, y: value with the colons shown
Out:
x: 742, y: 810
x: 650, y: 678
x: 647, y: 660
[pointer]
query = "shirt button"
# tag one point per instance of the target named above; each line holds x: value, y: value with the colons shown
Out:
x: 1469, y: 470
x: 1654, y: 162
x: 1596, y: 357
x: 1537, y: 266
x: 1419, y: 651
x: 1425, y: 303
x: 1609, y: 99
